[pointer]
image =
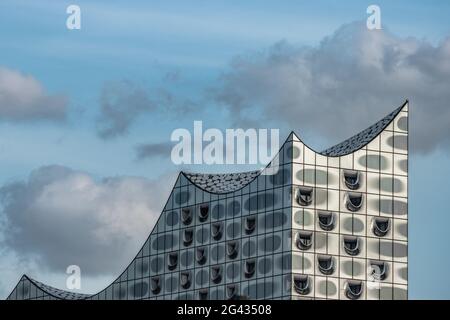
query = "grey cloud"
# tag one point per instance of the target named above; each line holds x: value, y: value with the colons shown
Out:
x: 60, y: 217
x: 342, y: 85
x: 151, y: 150
x: 123, y: 103
x: 23, y: 98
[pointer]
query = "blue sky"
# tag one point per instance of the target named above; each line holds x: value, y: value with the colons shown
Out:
x: 185, y: 50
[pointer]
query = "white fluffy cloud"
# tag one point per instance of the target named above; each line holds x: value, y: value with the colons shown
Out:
x: 23, y: 98
x: 342, y: 85
x: 60, y: 217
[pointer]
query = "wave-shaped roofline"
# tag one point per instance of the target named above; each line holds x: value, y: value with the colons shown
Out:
x: 372, y: 132
x: 346, y: 147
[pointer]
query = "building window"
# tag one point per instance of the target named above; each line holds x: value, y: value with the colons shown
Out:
x: 250, y: 224
x: 353, y: 289
x: 203, y: 294
x: 301, y: 284
x: 217, y: 230
x: 326, y: 264
x: 378, y: 270
x: 304, y: 196
x: 351, y: 179
x: 155, y: 285
x: 216, y: 274
x: 326, y: 220
x: 304, y: 240
x: 200, y: 255
x: 232, y: 249
x: 231, y: 292
x: 354, y: 201
x: 188, y: 237
x: 203, y: 212
x: 351, y: 245
x: 172, y: 261
x: 185, y: 279
x: 249, y: 268
x: 380, y: 226
x: 186, y: 216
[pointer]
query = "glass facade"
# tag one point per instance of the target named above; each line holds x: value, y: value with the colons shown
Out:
x: 329, y: 225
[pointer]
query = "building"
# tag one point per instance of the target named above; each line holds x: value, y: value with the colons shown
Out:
x: 322, y: 225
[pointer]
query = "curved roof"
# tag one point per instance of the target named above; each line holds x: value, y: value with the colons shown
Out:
x: 221, y: 183
x: 230, y: 182
x: 58, y: 293
x: 361, y: 139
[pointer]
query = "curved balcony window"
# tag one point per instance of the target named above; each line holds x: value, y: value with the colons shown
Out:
x: 186, y: 216
x: 301, y: 284
x: 232, y: 292
x: 203, y: 294
x: 155, y: 285
x: 353, y: 289
x: 379, y: 270
x: 326, y: 220
x: 216, y: 274
x: 351, y: 179
x: 185, y: 279
x: 354, y: 201
x: 217, y: 230
x: 200, y: 255
x: 203, y: 212
x: 249, y: 268
x: 351, y: 245
x: 250, y: 224
x: 380, y: 226
x: 303, y: 240
x: 188, y: 237
x: 232, y: 249
x: 326, y: 264
x: 304, y: 196
x: 173, y: 261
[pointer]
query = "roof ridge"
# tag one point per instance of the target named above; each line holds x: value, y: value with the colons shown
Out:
x: 363, y: 137
x: 55, y: 292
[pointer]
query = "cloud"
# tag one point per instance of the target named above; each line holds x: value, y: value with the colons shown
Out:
x: 60, y: 217
x: 123, y: 103
x: 151, y: 150
x: 340, y: 86
x: 23, y: 98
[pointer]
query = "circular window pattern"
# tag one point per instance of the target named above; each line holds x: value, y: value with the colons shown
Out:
x: 171, y: 284
x: 275, y: 220
x: 261, y: 201
x: 265, y: 265
x: 201, y: 278
x: 141, y: 267
x: 233, y: 271
x: 233, y: 208
x: 156, y: 264
x: 249, y: 248
x: 217, y: 253
x: 165, y: 241
x: 186, y: 258
x: 202, y: 235
x: 270, y: 243
x: 172, y: 218
x: 182, y: 197
x: 140, y: 289
x: 233, y: 230
x: 218, y: 211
